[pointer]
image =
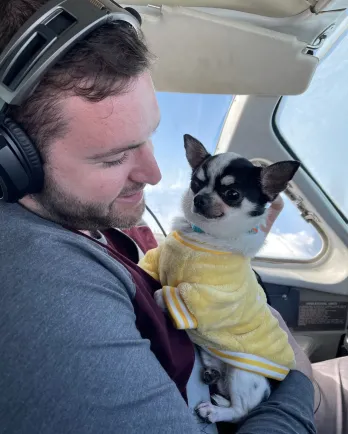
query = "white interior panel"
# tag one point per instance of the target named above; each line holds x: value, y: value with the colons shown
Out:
x: 200, y: 53
x: 271, y: 8
x: 305, y: 26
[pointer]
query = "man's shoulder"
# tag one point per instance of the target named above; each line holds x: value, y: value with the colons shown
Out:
x: 36, y: 250
x: 24, y: 234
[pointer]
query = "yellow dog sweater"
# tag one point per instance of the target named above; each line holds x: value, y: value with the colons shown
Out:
x: 215, y: 296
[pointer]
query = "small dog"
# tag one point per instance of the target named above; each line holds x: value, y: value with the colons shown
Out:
x: 209, y: 287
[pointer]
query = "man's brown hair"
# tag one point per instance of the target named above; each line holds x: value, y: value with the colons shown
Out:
x: 99, y: 66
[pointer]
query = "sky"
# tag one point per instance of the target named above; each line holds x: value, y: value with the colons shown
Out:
x: 316, y: 124
x: 313, y: 124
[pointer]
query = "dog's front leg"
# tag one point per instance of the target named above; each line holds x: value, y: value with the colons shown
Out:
x: 160, y: 299
x: 246, y: 391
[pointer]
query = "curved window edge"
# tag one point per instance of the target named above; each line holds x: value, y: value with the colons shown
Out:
x: 289, y: 149
x: 325, y: 242
x: 317, y: 258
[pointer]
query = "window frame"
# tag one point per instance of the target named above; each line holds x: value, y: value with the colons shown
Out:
x: 324, y: 238
x: 293, y: 154
x: 314, y: 260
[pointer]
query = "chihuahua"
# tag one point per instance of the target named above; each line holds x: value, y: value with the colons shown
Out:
x: 224, y: 209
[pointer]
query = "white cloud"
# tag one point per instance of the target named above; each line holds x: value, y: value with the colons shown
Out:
x: 288, y: 246
x: 154, y: 188
x: 182, y: 182
x: 178, y: 185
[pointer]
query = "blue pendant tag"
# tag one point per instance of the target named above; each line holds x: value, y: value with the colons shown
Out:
x: 197, y: 229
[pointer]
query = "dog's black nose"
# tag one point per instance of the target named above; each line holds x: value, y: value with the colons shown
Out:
x: 201, y: 201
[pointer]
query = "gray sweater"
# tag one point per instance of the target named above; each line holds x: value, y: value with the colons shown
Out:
x: 72, y: 359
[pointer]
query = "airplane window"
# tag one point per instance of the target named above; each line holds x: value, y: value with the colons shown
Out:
x: 292, y: 238
x: 314, y: 125
x: 203, y: 116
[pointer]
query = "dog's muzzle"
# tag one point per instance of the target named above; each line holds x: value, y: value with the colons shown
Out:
x: 204, y: 205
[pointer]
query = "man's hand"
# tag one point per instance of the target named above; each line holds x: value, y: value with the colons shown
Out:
x: 272, y: 214
x: 277, y: 204
x: 302, y: 362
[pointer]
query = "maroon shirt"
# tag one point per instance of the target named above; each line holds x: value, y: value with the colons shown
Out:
x: 172, y: 347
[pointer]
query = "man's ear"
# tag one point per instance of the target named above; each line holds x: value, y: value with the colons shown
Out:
x: 195, y: 151
x: 275, y: 178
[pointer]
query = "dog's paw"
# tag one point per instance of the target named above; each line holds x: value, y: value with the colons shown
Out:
x: 160, y: 299
x: 220, y: 401
x: 208, y: 412
x: 210, y: 376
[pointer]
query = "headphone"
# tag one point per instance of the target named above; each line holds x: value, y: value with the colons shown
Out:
x: 35, y: 48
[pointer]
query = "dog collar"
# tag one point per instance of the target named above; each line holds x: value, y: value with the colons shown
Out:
x: 198, y: 230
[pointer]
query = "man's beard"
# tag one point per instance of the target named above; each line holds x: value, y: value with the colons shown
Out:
x: 68, y: 210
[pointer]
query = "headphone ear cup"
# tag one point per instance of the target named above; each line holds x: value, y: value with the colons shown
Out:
x: 28, y: 152
x: 135, y: 14
x: 4, y: 194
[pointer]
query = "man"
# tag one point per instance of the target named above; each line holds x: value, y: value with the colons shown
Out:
x: 84, y: 348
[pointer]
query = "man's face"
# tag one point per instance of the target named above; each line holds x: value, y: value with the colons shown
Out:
x: 95, y: 175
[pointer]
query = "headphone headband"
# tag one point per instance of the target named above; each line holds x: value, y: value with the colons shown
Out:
x: 46, y: 37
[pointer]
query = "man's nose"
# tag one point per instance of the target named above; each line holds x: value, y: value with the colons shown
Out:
x: 146, y: 170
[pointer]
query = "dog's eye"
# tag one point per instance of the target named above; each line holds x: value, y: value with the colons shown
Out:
x: 196, y: 185
x: 232, y: 195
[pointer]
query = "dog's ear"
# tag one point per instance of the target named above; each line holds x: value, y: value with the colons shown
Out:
x: 275, y: 178
x: 195, y: 151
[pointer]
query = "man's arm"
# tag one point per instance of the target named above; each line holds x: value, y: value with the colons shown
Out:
x: 72, y: 359
x: 289, y: 409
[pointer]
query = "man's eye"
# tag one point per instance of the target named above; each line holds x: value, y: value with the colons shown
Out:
x: 121, y: 159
